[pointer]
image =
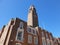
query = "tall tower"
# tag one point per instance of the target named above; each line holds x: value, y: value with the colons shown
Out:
x: 32, y: 17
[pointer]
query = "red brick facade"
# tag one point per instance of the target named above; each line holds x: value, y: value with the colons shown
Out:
x: 30, y: 35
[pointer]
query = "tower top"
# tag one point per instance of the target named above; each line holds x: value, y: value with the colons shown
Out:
x: 32, y: 17
x: 32, y: 8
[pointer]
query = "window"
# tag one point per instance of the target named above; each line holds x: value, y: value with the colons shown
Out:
x: 36, y: 40
x: 48, y: 43
x: 21, y: 25
x: 42, y: 34
x: 43, y: 42
x: 18, y: 44
x: 50, y: 37
x: 33, y: 31
x: 20, y: 36
x: 36, y: 32
x: 51, y: 42
x: 29, y: 30
x: 29, y: 39
x: 46, y: 36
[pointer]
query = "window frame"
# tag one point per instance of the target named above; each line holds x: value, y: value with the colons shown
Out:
x: 36, y: 40
x: 43, y: 42
x: 22, y: 37
x: 47, y: 36
x: 29, y: 30
x: 42, y: 34
x: 19, y: 36
x: 21, y: 25
x: 34, y: 31
x: 29, y: 39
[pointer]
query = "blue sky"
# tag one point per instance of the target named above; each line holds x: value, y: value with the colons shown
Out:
x: 48, y: 13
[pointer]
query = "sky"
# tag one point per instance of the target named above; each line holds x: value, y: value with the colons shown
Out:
x: 48, y: 13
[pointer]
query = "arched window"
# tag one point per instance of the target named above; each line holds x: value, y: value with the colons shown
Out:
x: 21, y: 25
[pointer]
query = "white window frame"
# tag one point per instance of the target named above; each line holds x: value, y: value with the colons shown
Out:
x: 28, y: 30
x: 48, y: 42
x: 29, y: 39
x: 43, y: 41
x: 20, y: 30
x: 35, y: 31
x: 21, y: 25
x: 42, y: 34
x: 32, y: 31
x: 36, y: 40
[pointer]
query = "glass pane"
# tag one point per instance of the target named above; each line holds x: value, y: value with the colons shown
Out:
x: 34, y: 31
x: 19, y: 35
x: 29, y: 29
x: 21, y: 25
x: 29, y: 39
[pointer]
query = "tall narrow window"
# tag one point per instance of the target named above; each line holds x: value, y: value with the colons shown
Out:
x: 48, y: 43
x: 36, y: 40
x: 21, y: 25
x: 20, y: 36
x: 33, y: 31
x: 51, y: 42
x: 29, y: 30
x: 29, y: 39
x: 43, y: 42
x: 46, y: 36
x: 50, y: 37
x: 42, y: 34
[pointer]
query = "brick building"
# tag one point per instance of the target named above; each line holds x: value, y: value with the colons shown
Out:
x: 19, y: 32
